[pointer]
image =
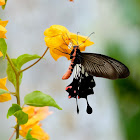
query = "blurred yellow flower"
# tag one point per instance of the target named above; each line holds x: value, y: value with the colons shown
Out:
x: 35, y: 115
x: 1, y: 54
x: 2, y: 28
x: 2, y: 2
x: 6, y: 96
x: 58, y: 38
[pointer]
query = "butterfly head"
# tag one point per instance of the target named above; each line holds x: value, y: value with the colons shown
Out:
x: 75, y: 52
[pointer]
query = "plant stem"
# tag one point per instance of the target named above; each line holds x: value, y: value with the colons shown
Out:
x: 17, y: 88
x: 12, y: 135
x: 11, y: 63
x: 18, y: 100
x: 35, y: 62
x: 17, y: 73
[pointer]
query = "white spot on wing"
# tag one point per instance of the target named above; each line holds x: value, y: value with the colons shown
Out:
x: 77, y: 71
x: 86, y: 74
x: 83, y: 70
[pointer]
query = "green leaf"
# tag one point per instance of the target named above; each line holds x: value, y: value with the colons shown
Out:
x: 3, y: 6
x: 22, y: 59
x: 39, y: 99
x: 14, y: 108
x: 2, y: 91
x: 21, y: 116
x: 29, y: 136
x: 10, y: 72
x: 3, y: 47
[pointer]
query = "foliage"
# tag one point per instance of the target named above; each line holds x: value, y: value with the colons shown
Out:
x: 39, y: 99
x: 127, y: 91
x: 36, y: 98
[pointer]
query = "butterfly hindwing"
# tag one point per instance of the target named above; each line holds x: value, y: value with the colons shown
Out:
x: 81, y: 86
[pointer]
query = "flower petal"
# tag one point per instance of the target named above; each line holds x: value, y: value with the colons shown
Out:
x: 54, y: 42
x: 37, y: 132
x: 55, y: 30
x: 5, y: 97
x: 3, y: 23
x: 1, y: 54
x: 54, y: 55
x: 35, y: 114
x: 58, y: 38
x: 41, y: 113
x: 2, y: 32
x: 30, y: 111
x: 81, y: 39
x: 61, y: 51
x: 3, y: 82
x: 2, y: 2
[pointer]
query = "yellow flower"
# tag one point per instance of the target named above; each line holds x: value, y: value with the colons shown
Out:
x: 58, y: 38
x: 6, y: 96
x: 35, y: 115
x: 1, y: 54
x: 2, y: 2
x: 2, y: 28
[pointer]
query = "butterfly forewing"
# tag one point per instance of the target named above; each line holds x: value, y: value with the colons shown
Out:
x: 103, y: 66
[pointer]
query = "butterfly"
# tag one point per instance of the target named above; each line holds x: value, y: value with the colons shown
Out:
x: 85, y: 67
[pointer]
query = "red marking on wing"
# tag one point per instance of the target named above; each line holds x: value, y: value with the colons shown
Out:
x: 69, y: 71
x: 68, y: 87
x: 69, y: 97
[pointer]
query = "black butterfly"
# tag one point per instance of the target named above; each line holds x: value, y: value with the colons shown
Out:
x: 87, y: 65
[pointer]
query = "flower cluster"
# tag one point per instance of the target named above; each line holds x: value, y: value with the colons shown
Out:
x: 2, y: 2
x: 6, y: 96
x: 35, y: 115
x: 58, y: 39
x: 2, y: 29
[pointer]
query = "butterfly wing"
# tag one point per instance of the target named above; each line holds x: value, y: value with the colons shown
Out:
x: 81, y: 86
x: 103, y: 66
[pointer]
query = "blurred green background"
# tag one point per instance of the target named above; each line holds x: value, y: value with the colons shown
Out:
x: 116, y: 104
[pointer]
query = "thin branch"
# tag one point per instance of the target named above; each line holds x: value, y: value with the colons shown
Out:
x: 12, y: 135
x: 18, y: 101
x: 35, y: 62
x: 11, y: 63
x: 13, y: 93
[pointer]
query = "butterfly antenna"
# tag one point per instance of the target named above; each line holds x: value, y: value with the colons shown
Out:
x: 77, y: 38
x: 87, y: 38
x: 70, y: 41
x: 62, y: 52
x: 64, y: 41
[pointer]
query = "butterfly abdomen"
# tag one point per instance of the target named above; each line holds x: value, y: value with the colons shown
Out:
x: 72, y: 64
x: 69, y: 71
